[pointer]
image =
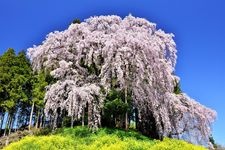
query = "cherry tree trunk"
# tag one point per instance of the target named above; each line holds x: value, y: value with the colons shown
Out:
x: 72, y: 120
x: 83, y: 115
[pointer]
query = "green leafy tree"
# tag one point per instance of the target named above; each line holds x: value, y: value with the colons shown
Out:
x: 15, y: 83
x: 115, y: 109
x: 8, y: 60
x: 39, y: 82
x: 22, y: 85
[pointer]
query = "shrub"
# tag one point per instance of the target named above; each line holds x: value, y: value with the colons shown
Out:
x: 43, y: 131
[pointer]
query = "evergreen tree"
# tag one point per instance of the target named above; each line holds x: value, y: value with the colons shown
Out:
x: 39, y: 83
x: 24, y: 74
x: 115, y: 109
x: 15, y: 77
x: 7, y: 69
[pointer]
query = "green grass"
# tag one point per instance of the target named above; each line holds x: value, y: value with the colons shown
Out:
x: 80, y: 138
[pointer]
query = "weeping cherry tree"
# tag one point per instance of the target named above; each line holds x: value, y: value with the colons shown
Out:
x: 130, y: 55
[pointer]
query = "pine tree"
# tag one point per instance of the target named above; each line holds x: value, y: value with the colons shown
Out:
x: 7, y: 69
x: 40, y: 81
x: 15, y: 80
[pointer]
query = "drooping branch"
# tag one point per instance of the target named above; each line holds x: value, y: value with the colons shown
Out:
x: 129, y: 53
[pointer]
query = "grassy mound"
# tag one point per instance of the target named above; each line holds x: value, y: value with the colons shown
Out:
x: 80, y: 138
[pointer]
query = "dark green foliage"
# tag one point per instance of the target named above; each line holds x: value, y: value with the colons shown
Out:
x: 16, y: 87
x: 177, y: 89
x: 19, y: 88
x: 40, y: 81
x: 211, y: 139
x: 115, y: 108
x: 76, y: 21
x: 48, y: 78
x: 43, y: 131
x: 92, y: 69
x: 15, y: 77
x: 7, y: 62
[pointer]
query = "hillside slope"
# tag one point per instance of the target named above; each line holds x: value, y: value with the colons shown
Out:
x: 80, y: 138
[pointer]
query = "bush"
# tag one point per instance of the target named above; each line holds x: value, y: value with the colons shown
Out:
x: 42, y: 131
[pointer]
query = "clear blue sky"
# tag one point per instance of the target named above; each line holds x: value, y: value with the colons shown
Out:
x: 199, y: 27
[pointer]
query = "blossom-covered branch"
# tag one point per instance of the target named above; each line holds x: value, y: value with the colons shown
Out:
x: 127, y: 54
